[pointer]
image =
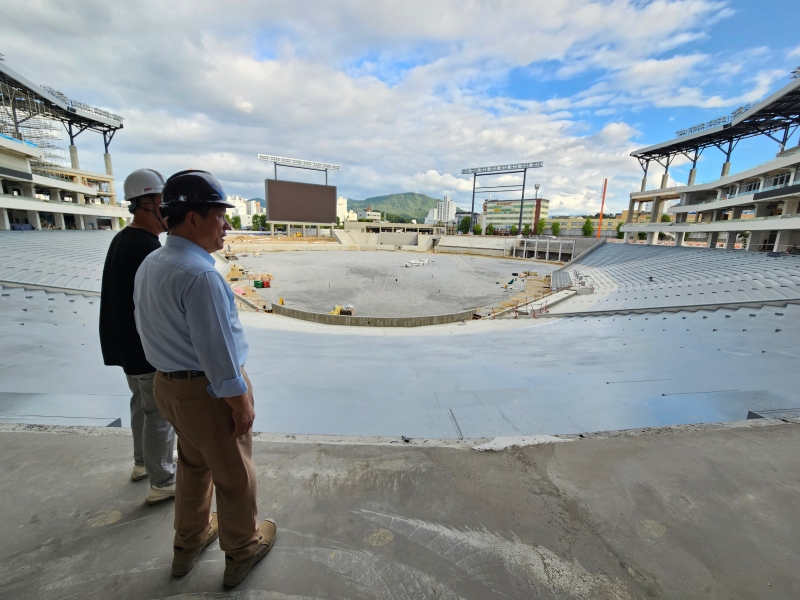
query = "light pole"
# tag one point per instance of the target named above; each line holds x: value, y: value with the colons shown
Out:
x: 537, y: 209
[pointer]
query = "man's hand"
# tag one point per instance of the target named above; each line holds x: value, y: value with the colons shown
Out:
x: 243, y: 414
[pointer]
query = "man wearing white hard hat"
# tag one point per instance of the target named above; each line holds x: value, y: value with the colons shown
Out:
x: 153, y: 436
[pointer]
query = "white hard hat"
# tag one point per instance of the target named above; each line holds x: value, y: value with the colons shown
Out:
x: 143, y: 182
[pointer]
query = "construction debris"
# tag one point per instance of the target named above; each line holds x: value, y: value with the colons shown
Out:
x: 347, y: 310
x: 417, y: 262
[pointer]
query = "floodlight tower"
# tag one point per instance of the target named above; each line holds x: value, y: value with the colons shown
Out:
x: 499, y: 170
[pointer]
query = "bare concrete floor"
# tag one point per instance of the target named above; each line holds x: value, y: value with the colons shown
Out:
x: 379, y: 285
x: 690, y: 512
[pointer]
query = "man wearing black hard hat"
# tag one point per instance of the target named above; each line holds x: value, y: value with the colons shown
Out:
x: 190, y: 330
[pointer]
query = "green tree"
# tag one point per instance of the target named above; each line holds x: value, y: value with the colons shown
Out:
x: 588, y: 229
x: 555, y: 228
x: 665, y: 218
x: 526, y: 229
x: 228, y: 219
x: 236, y: 222
x: 620, y: 235
x: 540, y: 225
x: 121, y: 222
x: 513, y: 230
x: 477, y: 229
x: 642, y: 235
x: 338, y: 222
x: 463, y: 226
x: 490, y: 229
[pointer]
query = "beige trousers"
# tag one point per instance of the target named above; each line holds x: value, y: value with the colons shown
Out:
x: 209, y: 459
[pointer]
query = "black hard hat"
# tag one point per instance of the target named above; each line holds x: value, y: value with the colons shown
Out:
x: 192, y: 188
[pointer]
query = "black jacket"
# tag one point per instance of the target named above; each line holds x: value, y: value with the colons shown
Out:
x: 119, y: 339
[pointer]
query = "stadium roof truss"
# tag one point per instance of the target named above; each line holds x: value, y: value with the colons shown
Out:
x: 777, y: 117
x: 23, y: 101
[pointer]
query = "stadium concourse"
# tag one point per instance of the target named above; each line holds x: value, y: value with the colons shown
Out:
x: 366, y: 452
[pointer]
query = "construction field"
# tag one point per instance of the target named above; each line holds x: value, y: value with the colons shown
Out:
x: 378, y: 284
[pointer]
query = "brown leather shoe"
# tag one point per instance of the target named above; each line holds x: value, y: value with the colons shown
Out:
x: 236, y: 571
x: 183, y: 561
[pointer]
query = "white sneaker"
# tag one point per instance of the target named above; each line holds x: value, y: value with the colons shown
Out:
x: 159, y: 494
x: 138, y: 473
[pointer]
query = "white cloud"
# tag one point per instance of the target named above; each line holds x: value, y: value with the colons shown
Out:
x: 399, y: 93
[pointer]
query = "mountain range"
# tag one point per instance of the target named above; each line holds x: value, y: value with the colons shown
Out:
x: 406, y: 204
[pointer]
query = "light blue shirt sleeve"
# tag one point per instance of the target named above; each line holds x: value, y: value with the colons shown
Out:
x: 208, y: 315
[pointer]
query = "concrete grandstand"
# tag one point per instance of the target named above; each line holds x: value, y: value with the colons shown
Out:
x: 628, y: 278
x: 381, y: 451
x: 760, y: 202
x: 39, y: 188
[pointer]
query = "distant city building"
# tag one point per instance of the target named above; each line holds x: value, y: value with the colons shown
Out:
x: 370, y: 215
x: 572, y: 225
x: 445, y: 212
x: 244, y: 209
x: 505, y: 213
x: 341, y: 209
x: 352, y: 215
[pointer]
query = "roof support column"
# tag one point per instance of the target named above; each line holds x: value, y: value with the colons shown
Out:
x: 33, y: 219
x: 79, y: 224
x: 693, y: 171
x: 679, y: 238
x: 59, y: 218
x: 629, y: 219
x: 712, y: 239
x: 726, y: 167
x: 645, y: 164
x: 73, y: 156
x: 780, y: 240
x: 790, y: 206
x: 730, y: 243
x: 5, y: 223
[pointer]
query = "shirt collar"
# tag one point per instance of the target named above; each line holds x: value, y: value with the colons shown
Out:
x: 176, y: 241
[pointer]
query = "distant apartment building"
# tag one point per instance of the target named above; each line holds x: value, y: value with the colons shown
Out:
x: 244, y: 209
x: 572, y: 225
x: 341, y: 209
x: 370, y: 215
x: 505, y: 213
x: 445, y: 212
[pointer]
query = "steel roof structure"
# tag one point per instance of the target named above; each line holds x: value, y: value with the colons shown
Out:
x: 778, y: 114
x: 77, y: 117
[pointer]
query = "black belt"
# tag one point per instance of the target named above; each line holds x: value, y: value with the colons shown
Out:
x: 184, y: 374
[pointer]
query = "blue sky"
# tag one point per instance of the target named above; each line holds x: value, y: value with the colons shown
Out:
x: 405, y: 95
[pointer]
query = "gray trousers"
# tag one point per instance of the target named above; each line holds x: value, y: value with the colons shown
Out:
x: 153, y: 436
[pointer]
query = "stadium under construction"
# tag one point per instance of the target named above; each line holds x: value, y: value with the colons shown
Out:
x: 588, y: 419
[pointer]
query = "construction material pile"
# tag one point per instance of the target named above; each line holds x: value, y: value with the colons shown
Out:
x: 417, y: 262
x: 246, y: 283
x: 347, y: 310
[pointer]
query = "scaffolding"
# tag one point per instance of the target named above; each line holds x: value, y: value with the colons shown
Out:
x: 24, y: 117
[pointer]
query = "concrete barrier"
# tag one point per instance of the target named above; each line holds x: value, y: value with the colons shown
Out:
x: 359, y: 321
